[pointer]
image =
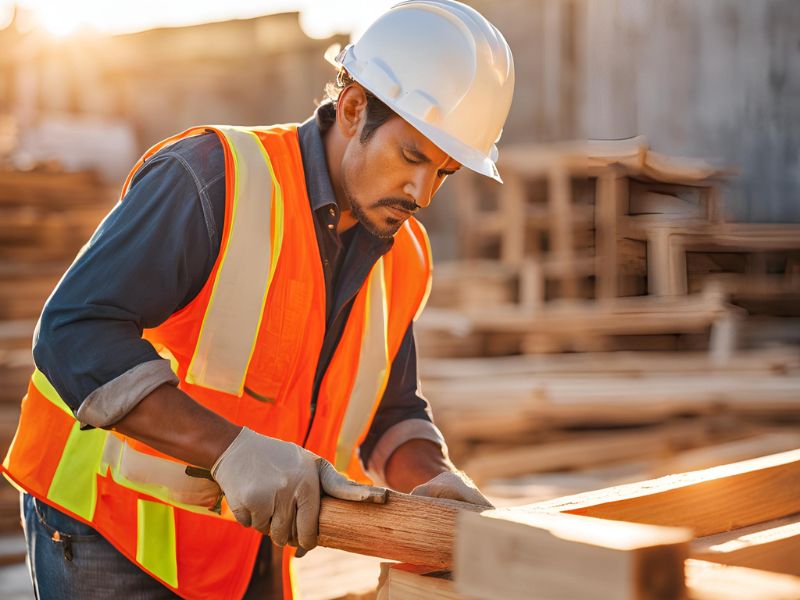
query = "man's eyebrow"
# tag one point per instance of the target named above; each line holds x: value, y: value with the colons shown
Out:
x: 423, y: 158
x: 417, y: 154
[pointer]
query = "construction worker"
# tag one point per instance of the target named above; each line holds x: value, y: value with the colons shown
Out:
x: 237, y: 335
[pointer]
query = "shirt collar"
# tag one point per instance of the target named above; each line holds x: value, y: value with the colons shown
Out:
x: 318, y: 180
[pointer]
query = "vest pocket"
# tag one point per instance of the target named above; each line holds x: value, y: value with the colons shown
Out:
x: 279, y: 341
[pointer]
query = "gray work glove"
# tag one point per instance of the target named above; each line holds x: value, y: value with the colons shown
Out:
x: 454, y: 485
x: 274, y: 486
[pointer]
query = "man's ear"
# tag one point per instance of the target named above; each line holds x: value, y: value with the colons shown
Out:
x: 351, y: 108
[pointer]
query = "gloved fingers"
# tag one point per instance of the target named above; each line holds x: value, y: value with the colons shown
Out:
x: 293, y: 536
x: 261, y: 522
x: 453, y: 486
x: 281, y: 527
x: 337, y: 485
x: 307, y: 520
x: 243, y: 516
x: 300, y: 552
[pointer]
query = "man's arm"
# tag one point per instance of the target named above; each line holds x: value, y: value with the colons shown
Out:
x: 403, y: 417
x: 404, y: 448
x: 149, y: 257
x: 192, y: 433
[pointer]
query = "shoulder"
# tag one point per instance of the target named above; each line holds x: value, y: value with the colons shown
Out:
x: 201, y: 156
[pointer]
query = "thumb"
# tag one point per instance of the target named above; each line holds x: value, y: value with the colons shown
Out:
x: 337, y: 485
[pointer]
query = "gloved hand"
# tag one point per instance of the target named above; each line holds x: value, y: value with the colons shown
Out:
x: 274, y: 486
x: 455, y: 485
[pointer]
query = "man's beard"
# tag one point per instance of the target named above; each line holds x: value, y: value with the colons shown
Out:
x: 392, y: 225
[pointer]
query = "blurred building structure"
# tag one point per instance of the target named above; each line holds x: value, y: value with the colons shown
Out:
x: 718, y: 79
x: 107, y: 98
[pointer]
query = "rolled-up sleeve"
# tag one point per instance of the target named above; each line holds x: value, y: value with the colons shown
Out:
x: 403, y: 414
x: 149, y: 257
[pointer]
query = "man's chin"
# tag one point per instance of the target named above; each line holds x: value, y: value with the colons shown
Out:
x: 385, y: 230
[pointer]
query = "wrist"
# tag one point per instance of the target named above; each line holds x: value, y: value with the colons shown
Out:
x: 415, y: 462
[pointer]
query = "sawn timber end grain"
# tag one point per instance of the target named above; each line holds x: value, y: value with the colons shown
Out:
x: 412, y: 529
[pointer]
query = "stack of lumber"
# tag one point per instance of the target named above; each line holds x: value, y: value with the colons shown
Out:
x: 531, y: 425
x: 730, y: 532
x: 47, y: 215
x: 551, y: 258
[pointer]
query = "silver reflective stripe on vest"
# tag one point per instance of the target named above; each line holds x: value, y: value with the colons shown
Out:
x: 373, y: 369
x: 158, y: 477
x: 231, y: 323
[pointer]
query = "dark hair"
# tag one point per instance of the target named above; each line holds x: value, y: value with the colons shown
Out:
x: 377, y: 112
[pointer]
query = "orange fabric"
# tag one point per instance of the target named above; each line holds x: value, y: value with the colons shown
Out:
x: 36, y: 462
x: 214, y: 555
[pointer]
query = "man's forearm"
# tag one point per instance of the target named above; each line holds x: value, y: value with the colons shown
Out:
x: 414, y: 463
x: 170, y: 421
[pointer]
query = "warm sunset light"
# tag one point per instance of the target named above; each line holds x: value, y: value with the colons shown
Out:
x: 318, y: 19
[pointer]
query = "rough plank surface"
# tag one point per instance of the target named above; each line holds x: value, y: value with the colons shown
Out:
x: 712, y: 581
x: 505, y: 554
x: 709, y: 501
x: 412, y: 582
x: 412, y: 529
x: 771, y: 546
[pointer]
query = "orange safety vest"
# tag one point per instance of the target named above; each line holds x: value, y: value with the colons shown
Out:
x: 247, y: 348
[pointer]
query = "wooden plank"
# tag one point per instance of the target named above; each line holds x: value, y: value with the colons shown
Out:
x: 407, y: 528
x: 533, y: 402
x: 731, y: 451
x: 414, y: 582
x: 767, y: 360
x: 560, y: 203
x: 771, y: 546
x: 623, y: 316
x: 504, y: 554
x: 712, y: 581
x: 588, y: 450
x: 610, y: 190
x: 710, y: 501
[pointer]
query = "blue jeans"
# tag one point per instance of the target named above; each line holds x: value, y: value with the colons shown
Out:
x: 69, y: 559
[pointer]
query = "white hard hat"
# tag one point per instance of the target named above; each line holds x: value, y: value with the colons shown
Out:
x: 445, y: 69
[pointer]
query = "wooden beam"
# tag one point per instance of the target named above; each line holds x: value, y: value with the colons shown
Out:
x: 586, y: 451
x: 771, y: 546
x: 712, y: 581
x: 505, y: 554
x: 412, y: 529
x: 710, y: 501
x: 413, y: 582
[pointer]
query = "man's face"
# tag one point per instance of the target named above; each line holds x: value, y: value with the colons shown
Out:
x: 392, y: 175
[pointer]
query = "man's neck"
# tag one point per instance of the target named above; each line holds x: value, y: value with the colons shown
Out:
x: 335, y: 145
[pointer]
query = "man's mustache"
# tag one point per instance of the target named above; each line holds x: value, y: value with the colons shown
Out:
x: 401, y: 203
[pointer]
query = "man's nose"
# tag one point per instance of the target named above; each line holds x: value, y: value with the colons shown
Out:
x: 420, y: 188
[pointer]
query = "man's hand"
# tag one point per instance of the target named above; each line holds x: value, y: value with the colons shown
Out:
x: 454, y: 485
x: 274, y: 486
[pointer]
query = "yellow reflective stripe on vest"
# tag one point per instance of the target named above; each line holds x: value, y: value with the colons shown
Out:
x: 47, y: 390
x: 231, y: 322
x: 155, y: 540
x: 373, y: 368
x: 74, y: 484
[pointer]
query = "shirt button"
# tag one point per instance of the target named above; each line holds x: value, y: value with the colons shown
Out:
x: 332, y: 211
x: 330, y: 225
x: 325, y: 262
